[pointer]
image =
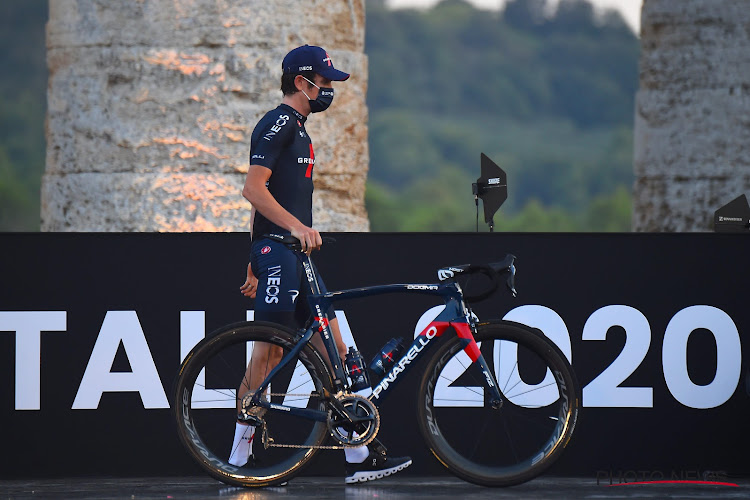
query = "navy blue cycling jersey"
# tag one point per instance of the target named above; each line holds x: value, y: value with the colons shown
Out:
x: 280, y: 143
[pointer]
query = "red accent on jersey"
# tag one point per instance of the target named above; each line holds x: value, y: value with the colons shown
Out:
x: 265, y: 250
x: 308, y: 174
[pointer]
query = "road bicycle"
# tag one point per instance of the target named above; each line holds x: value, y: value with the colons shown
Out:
x: 496, y: 405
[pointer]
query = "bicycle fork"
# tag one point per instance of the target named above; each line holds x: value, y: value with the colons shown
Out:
x: 465, y: 333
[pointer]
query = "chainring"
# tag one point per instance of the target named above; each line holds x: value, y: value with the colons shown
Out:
x: 360, y: 432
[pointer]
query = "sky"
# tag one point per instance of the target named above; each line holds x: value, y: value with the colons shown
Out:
x: 630, y: 9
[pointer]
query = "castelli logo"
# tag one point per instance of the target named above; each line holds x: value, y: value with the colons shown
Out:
x: 265, y: 250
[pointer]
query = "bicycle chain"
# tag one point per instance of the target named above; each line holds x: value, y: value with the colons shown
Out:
x: 268, y: 441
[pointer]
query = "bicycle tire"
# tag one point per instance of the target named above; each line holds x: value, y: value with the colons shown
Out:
x: 522, y: 438
x: 205, y: 403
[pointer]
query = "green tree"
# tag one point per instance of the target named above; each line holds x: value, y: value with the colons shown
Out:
x: 16, y: 205
x: 23, y: 85
x: 550, y: 98
x: 610, y: 213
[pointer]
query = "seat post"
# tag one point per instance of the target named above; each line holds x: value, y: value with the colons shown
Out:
x: 307, y: 267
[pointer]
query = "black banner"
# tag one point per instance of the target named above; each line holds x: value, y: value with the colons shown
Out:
x: 93, y: 328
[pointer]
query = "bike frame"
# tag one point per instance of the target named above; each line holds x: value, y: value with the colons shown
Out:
x: 454, y: 315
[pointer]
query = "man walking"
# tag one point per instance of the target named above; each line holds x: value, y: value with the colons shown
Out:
x: 279, y: 186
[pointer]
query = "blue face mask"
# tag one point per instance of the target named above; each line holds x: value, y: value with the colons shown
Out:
x: 324, y: 100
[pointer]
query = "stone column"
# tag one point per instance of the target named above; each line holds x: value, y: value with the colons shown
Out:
x: 151, y: 104
x: 692, y: 121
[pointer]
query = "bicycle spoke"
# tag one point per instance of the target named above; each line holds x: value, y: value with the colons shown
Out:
x: 510, y: 441
x: 302, y: 384
x: 468, y: 388
x: 507, y: 389
x: 228, y: 398
x: 534, y: 388
x: 229, y: 395
x: 455, y: 400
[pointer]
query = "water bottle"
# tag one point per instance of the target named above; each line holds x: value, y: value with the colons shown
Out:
x: 355, y: 368
x: 386, y: 357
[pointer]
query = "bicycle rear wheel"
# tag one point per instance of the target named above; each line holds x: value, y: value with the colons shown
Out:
x: 206, y: 404
x: 518, y: 441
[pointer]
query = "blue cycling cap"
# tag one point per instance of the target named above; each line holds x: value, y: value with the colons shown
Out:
x: 312, y: 58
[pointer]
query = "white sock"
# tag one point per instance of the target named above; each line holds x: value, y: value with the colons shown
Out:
x: 243, y: 444
x: 356, y: 455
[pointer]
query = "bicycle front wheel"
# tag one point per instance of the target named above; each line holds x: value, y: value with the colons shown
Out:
x: 206, y: 403
x: 507, y: 445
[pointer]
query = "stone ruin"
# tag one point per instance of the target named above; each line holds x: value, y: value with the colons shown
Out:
x: 151, y: 104
x: 692, y: 121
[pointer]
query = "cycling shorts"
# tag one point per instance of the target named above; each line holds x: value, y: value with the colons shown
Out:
x: 282, y: 285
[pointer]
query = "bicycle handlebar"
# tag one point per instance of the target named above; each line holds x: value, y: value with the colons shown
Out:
x: 492, y: 270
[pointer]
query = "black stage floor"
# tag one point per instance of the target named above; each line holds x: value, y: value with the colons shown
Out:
x: 405, y: 487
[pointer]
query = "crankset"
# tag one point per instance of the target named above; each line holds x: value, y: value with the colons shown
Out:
x: 353, y: 420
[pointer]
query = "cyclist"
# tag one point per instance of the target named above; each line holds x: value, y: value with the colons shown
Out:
x: 279, y: 186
